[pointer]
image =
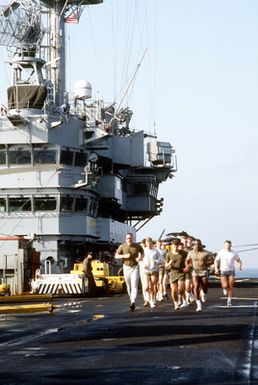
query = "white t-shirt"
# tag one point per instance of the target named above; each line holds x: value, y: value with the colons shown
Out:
x: 150, y: 260
x: 227, y: 259
x: 162, y: 254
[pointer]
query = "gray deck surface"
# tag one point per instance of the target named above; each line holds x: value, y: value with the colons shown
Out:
x: 98, y: 341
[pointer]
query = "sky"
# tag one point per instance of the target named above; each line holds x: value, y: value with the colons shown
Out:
x: 192, y: 67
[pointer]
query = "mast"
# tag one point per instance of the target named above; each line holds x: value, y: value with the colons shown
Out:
x: 57, y: 55
x: 59, y: 14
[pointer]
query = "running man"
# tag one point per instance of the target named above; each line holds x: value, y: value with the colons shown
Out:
x: 175, y: 263
x: 145, y: 293
x: 131, y: 253
x: 163, y: 276
x: 150, y: 263
x: 225, y: 266
x: 199, y: 260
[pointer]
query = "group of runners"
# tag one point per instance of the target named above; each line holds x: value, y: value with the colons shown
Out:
x: 184, y: 265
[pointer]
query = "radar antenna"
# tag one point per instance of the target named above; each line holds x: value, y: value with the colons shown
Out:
x: 22, y: 29
x: 20, y: 24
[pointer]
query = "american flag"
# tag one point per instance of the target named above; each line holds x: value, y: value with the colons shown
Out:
x: 72, y: 19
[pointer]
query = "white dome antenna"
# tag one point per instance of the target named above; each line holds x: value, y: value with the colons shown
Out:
x: 82, y: 90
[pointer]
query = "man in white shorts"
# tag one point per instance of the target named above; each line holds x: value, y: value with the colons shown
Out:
x: 225, y: 266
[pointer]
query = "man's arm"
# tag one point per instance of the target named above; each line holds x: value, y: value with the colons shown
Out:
x: 140, y: 255
x: 239, y: 262
x: 119, y: 255
x: 216, y: 264
x: 188, y: 263
x: 168, y: 261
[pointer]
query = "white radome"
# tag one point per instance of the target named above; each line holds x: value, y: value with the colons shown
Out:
x: 82, y: 89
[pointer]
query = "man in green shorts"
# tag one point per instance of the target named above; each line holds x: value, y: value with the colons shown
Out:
x: 175, y: 263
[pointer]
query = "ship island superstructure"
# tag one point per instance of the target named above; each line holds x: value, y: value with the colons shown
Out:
x: 73, y: 175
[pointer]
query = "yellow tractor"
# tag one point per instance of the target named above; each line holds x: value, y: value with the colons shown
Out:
x: 105, y: 283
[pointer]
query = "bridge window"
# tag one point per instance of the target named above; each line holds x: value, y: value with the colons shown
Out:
x: 81, y: 204
x: 140, y: 188
x: 19, y: 204
x: 42, y: 156
x: 17, y: 156
x: 44, y: 203
x: 80, y: 159
x: 3, y: 157
x: 66, y: 157
x: 66, y: 204
x: 2, y: 205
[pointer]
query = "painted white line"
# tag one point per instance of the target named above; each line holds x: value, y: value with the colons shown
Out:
x: 233, y: 306
x: 21, y: 340
x: 242, y: 298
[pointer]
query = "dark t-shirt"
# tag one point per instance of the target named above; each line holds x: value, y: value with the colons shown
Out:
x: 178, y: 261
x: 133, y: 250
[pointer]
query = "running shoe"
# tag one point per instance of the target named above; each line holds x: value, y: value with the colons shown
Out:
x: 184, y: 304
x: 203, y: 297
x: 152, y: 304
x: 132, y: 307
x: 199, y: 305
x: 229, y: 302
x: 192, y: 298
x: 159, y: 297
